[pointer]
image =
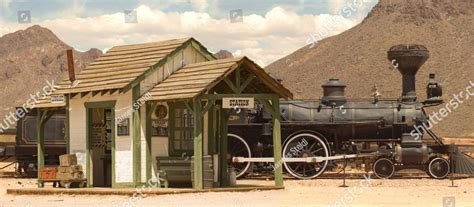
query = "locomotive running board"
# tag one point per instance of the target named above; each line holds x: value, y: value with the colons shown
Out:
x: 302, y: 159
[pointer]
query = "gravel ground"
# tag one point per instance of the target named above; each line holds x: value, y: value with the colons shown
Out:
x: 320, y: 192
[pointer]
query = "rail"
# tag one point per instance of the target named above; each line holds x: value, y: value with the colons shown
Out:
x: 303, y: 159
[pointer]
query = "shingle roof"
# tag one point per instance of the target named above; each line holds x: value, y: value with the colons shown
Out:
x: 197, y: 78
x: 119, y: 66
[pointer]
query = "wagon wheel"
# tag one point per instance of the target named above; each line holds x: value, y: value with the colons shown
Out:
x: 305, y: 145
x: 238, y: 147
x: 383, y: 168
x: 438, y: 168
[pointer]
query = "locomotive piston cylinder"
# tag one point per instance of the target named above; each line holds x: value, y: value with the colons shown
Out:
x: 411, y: 150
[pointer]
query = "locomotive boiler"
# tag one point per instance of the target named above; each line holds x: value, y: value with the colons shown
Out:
x: 392, y: 132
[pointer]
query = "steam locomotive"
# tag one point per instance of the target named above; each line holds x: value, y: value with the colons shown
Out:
x: 392, y: 131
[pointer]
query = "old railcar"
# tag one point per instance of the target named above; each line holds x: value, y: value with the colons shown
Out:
x: 26, y: 145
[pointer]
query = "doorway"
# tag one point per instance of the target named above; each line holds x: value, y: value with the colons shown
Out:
x: 100, y: 144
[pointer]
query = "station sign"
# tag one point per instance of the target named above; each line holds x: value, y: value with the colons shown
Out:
x: 241, y: 103
x: 57, y: 99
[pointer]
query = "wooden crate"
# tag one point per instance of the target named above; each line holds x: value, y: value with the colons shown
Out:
x: 70, y: 169
x: 48, y: 173
x: 67, y: 160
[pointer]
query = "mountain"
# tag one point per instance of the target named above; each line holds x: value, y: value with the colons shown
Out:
x: 28, y: 59
x: 222, y: 54
x: 358, y: 56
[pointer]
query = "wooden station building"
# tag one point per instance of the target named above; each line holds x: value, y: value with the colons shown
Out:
x: 163, y: 99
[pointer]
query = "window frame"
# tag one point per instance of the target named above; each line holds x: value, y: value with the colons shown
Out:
x: 173, y: 151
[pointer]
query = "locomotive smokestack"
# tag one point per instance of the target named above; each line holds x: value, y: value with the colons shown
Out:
x: 408, y: 59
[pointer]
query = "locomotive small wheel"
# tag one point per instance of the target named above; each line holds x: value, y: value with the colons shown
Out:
x: 438, y: 168
x: 305, y: 145
x: 238, y: 147
x: 383, y: 168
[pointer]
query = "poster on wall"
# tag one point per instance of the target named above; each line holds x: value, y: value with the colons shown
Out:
x: 123, y: 127
x: 160, y: 124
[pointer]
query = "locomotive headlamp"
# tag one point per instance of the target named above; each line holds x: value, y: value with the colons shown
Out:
x: 434, y: 90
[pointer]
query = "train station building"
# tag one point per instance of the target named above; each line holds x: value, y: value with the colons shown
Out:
x: 138, y: 108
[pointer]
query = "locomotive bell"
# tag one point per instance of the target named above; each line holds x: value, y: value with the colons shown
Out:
x: 333, y: 91
x: 408, y: 59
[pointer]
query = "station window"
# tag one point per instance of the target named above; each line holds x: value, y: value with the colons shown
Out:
x: 182, y: 140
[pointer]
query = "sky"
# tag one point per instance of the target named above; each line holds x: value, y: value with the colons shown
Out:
x: 263, y: 30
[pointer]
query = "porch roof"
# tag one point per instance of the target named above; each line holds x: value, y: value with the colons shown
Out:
x: 198, y: 78
x: 45, y: 102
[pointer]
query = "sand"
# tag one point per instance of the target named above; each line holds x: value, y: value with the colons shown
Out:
x: 319, y: 192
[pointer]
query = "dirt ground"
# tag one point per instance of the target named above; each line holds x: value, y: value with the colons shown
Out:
x: 319, y: 192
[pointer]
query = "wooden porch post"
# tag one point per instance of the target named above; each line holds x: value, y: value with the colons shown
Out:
x: 150, y: 108
x: 40, y: 140
x: 197, y: 115
x: 277, y: 151
x: 224, y: 116
x: 42, y: 118
x: 136, y: 137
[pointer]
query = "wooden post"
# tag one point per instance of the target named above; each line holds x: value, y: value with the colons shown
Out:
x: 197, y: 115
x: 67, y: 125
x: 40, y: 139
x: 223, y: 174
x: 211, y: 131
x: 136, y: 137
x: 150, y: 108
x: 277, y: 151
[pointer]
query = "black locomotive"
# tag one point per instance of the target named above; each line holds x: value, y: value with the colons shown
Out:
x: 392, y: 131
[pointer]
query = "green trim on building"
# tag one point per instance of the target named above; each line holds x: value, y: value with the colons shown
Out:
x: 198, y: 143
x: 150, y: 108
x: 136, y: 135
x: 89, y: 106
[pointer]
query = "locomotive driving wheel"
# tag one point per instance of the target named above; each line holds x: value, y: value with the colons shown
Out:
x: 305, y: 145
x: 383, y: 168
x: 238, y: 147
x: 438, y: 168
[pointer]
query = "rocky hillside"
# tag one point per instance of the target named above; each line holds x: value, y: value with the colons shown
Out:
x: 30, y: 57
x: 222, y: 54
x: 359, y: 56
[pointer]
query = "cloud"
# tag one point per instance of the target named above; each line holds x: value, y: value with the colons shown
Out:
x: 263, y: 38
